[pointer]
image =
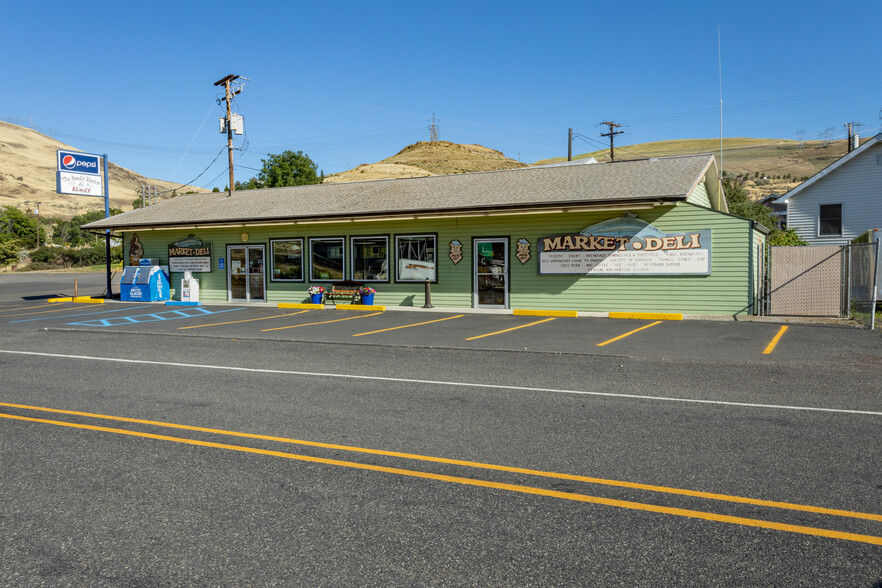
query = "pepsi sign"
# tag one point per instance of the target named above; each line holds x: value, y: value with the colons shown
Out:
x: 80, y: 163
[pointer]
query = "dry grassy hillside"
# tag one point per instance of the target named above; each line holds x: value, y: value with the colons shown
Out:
x: 429, y: 158
x: 27, y: 174
x: 760, y: 161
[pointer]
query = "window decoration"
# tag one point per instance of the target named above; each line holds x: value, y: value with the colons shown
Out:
x: 455, y: 251
x: 327, y: 259
x: 287, y: 260
x: 415, y: 258
x: 523, y: 253
x: 370, y: 259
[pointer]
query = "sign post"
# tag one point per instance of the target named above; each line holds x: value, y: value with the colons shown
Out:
x: 79, y: 174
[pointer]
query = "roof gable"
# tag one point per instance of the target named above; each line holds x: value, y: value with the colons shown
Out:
x: 844, y: 160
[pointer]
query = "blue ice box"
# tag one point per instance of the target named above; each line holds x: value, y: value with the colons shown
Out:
x: 144, y: 284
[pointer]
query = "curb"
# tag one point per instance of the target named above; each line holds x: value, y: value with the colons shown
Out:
x: 308, y: 305
x: 652, y: 316
x: 526, y: 312
x: 360, y: 307
x: 181, y: 303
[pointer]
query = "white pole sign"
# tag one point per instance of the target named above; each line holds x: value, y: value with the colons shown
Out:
x: 79, y: 174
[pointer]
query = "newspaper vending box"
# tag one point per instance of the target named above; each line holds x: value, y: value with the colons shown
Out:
x: 144, y: 284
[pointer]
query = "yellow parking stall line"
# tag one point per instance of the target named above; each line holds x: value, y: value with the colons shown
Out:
x: 413, y: 325
x: 321, y: 322
x: 629, y: 333
x: 29, y: 308
x: 771, y: 346
x: 262, y: 318
x: 40, y: 312
x: 511, y: 329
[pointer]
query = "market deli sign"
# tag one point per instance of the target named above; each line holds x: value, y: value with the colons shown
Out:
x: 626, y: 246
x: 189, y: 255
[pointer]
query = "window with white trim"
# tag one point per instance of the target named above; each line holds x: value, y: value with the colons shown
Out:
x: 370, y: 259
x: 415, y: 257
x: 327, y: 259
x: 830, y: 220
x: 286, y: 256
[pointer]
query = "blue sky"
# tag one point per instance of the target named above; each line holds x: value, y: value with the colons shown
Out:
x: 355, y: 82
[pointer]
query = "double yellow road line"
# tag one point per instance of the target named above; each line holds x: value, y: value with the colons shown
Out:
x: 758, y: 523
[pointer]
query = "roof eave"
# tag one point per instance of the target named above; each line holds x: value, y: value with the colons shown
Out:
x: 422, y: 214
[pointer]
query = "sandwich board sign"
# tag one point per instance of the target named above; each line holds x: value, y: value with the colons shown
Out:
x: 79, y: 174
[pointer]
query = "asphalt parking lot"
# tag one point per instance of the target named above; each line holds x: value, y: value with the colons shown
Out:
x: 256, y: 445
x: 720, y: 340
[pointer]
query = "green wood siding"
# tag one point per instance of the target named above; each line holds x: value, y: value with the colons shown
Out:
x: 700, y: 196
x: 726, y: 291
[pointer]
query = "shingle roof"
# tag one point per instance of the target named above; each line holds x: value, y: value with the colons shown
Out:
x: 668, y: 178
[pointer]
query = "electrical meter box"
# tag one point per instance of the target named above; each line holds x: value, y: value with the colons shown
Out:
x: 144, y: 284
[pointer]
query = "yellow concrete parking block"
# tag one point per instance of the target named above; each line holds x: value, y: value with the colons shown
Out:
x: 359, y: 307
x: 88, y: 300
x: 68, y: 299
x: 649, y: 316
x: 526, y: 312
x: 307, y: 305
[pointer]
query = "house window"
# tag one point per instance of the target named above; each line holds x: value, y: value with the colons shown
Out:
x: 328, y: 259
x: 287, y: 260
x: 370, y: 259
x: 830, y: 220
x: 415, y: 258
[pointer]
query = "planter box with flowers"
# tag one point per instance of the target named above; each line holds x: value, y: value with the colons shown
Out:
x: 367, y: 295
x: 315, y: 294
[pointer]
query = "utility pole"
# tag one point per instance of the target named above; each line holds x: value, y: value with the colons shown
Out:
x: 37, y: 214
x: 570, y: 146
x: 228, y: 97
x: 612, y: 133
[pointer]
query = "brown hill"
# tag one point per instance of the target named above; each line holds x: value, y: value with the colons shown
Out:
x: 430, y: 158
x: 769, y: 166
x: 27, y: 174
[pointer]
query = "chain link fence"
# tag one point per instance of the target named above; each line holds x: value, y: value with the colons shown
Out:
x: 862, y: 282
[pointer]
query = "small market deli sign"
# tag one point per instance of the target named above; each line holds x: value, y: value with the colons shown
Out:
x: 189, y: 255
x: 626, y: 246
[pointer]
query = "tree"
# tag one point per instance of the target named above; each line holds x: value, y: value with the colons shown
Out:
x: 741, y: 204
x: 69, y: 232
x: 16, y: 225
x: 290, y: 168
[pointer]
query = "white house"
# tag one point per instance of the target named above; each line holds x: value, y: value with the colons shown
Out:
x: 841, y: 201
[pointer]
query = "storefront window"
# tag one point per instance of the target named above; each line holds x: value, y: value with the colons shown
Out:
x: 370, y: 259
x: 328, y: 259
x: 415, y: 258
x: 287, y: 260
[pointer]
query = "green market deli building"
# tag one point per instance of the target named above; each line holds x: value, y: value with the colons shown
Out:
x: 650, y: 235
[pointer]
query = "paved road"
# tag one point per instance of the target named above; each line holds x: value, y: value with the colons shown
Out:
x: 679, y: 454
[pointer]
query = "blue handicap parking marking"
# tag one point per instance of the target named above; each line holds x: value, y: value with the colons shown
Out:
x: 195, y: 311
x: 49, y: 318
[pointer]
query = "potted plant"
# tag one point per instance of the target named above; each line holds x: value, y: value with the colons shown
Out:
x: 367, y: 294
x: 316, y: 293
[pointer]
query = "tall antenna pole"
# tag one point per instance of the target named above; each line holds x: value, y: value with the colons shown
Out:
x: 612, y: 133
x: 720, y: 67
x: 226, y: 82
x: 433, y: 130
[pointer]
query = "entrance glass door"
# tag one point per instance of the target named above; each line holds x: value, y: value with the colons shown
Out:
x: 245, y: 273
x: 491, y: 273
